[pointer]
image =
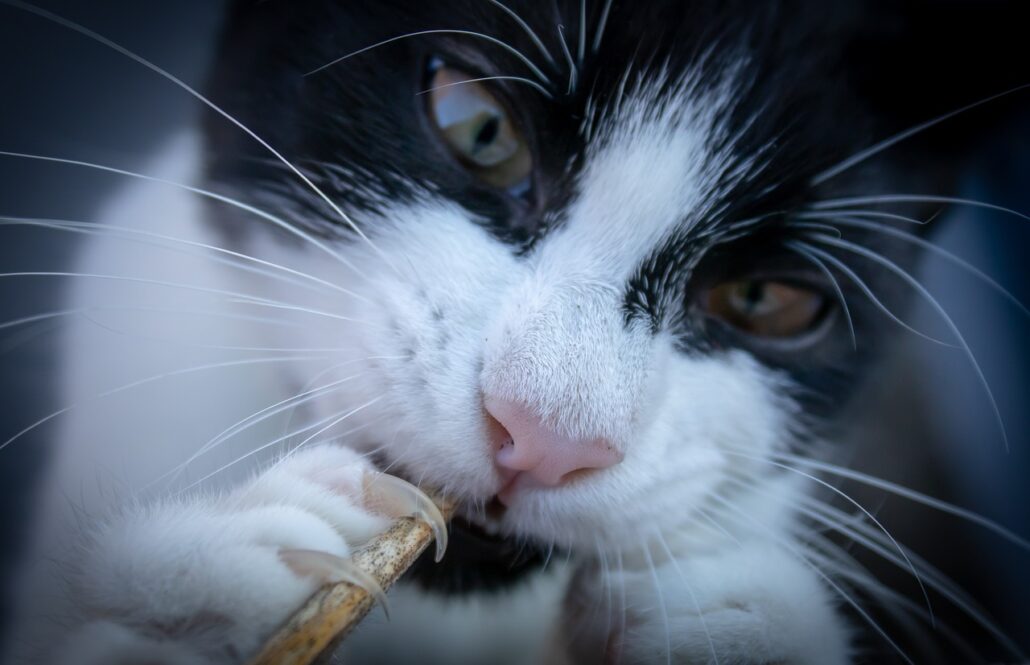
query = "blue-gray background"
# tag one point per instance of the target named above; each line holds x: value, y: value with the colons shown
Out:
x: 63, y: 95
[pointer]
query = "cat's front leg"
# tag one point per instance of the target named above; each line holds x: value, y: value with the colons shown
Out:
x: 752, y: 604
x: 208, y: 580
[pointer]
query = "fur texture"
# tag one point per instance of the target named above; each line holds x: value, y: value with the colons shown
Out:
x: 679, y: 147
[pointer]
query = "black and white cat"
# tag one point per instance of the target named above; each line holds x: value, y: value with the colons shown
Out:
x: 605, y: 272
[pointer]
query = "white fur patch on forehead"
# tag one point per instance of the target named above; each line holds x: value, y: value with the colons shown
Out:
x: 651, y: 169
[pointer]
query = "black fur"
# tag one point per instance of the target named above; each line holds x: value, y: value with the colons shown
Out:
x: 823, y: 80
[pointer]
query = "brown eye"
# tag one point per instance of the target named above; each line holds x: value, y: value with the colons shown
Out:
x: 765, y: 308
x: 479, y: 130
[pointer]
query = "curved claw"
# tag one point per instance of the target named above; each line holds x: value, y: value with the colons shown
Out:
x: 332, y: 569
x: 395, y: 498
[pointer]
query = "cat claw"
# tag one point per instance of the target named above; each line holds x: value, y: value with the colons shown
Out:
x: 333, y: 569
x: 394, y: 497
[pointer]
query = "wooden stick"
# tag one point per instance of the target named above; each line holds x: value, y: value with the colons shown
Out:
x: 314, y: 631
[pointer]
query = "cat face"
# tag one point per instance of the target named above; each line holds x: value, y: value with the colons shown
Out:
x: 586, y: 281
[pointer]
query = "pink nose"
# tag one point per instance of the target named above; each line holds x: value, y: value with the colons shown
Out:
x: 524, y: 443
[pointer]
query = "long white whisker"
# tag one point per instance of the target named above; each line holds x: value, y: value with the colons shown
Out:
x: 661, y: 604
x: 853, y: 276
x: 901, y: 136
x: 529, y: 31
x: 934, y: 249
x: 568, y: 59
x: 581, y: 48
x: 693, y: 596
x: 836, y: 587
x: 941, y: 586
x: 844, y: 495
x: 255, y: 419
x: 836, y: 287
x: 334, y: 420
x: 601, y: 25
x: 890, y: 600
x: 914, y: 283
x: 71, y: 25
x: 911, y: 495
x: 520, y: 79
x: 912, y: 198
x: 286, y: 226
x: 313, y: 312
x: 150, y: 379
x: 468, y: 33
x: 97, y: 229
x: 622, y: 606
x: 63, y: 313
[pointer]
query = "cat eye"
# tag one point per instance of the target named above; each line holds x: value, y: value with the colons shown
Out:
x: 478, y: 129
x: 766, y: 308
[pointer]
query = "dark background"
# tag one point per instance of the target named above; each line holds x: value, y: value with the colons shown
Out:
x: 63, y: 95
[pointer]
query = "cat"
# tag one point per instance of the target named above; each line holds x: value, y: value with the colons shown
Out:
x: 606, y: 273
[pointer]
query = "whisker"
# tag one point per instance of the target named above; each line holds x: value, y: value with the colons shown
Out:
x: 568, y: 59
x: 215, y: 347
x: 937, y: 251
x: 328, y: 370
x: 607, y: 581
x: 63, y: 313
x: 336, y: 439
x: 864, y: 212
x: 913, y: 198
x: 286, y: 226
x: 335, y: 419
x: 601, y: 25
x: 150, y: 379
x: 853, y: 276
x: 893, y: 602
x: 71, y: 25
x: 836, y: 287
x: 693, y: 597
x: 255, y: 419
x: 836, y: 587
x: 241, y: 297
x: 935, y: 580
x: 308, y: 310
x: 581, y: 48
x: 911, y: 495
x: 98, y: 229
x: 528, y: 30
x: 877, y: 148
x: 915, y: 284
x: 661, y: 603
x: 844, y: 495
x: 468, y: 33
x: 520, y: 79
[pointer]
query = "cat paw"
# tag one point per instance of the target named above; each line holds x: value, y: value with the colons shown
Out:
x: 759, y: 605
x: 209, y: 580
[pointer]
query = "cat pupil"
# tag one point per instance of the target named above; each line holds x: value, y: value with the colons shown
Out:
x: 488, y: 132
x: 751, y: 294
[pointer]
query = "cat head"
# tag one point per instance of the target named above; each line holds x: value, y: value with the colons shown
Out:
x: 591, y: 264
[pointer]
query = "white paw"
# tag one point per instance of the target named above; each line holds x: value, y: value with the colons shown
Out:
x: 757, y: 605
x: 210, y: 580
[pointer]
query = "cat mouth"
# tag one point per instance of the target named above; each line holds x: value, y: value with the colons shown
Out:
x: 478, y: 560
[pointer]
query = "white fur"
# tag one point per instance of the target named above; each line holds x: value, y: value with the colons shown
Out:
x: 449, y: 314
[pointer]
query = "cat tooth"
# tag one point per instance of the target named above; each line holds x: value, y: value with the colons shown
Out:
x: 395, y: 498
x: 333, y: 569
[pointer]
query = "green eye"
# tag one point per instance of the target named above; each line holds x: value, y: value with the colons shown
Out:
x: 478, y: 129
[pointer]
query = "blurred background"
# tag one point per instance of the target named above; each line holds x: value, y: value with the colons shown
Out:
x: 928, y: 422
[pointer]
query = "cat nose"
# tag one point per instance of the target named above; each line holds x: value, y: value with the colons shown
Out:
x: 524, y: 443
